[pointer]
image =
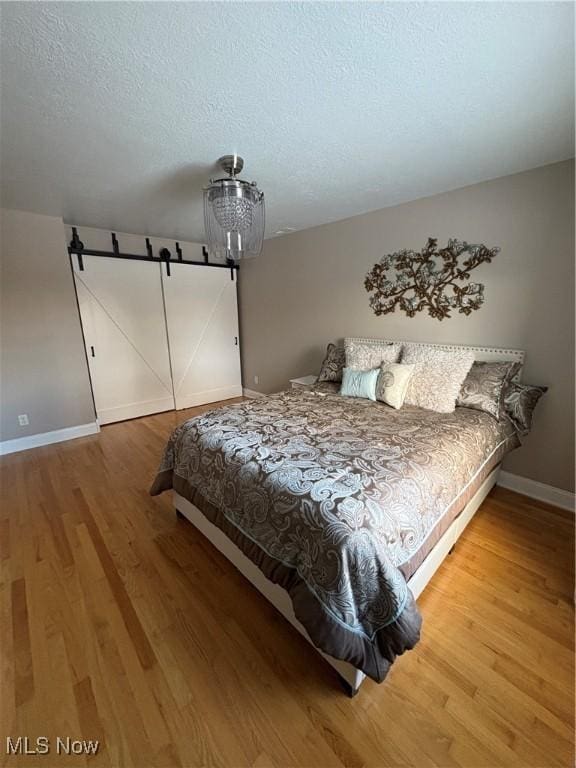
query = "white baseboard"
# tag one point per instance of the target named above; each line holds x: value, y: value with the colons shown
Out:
x: 548, y: 493
x: 252, y: 393
x: 46, y: 438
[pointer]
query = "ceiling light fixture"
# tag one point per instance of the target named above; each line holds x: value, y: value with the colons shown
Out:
x: 233, y: 214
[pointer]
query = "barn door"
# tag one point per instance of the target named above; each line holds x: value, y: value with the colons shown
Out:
x: 125, y: 334
x: 202, y: 321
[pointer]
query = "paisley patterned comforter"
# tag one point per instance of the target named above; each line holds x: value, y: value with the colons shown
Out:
x: 338, y: 500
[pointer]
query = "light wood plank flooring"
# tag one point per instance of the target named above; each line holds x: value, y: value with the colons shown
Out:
x: 121, y: 623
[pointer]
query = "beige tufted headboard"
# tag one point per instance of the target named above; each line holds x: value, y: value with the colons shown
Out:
x: 487, y: 354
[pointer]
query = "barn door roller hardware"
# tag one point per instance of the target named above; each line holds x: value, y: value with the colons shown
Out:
x: 165, y: 256
x: 77, y: 248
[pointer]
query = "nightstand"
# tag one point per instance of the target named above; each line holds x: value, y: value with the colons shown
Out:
x: 305, y: 382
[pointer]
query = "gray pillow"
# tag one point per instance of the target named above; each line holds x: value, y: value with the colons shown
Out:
x: 519, y: 403
x: 333, y: 364
x: 485, y: 385
x: 438, y: 376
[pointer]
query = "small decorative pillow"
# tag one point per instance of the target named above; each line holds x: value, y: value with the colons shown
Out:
x: 393, y: 383
x: 438, y: 376
x: 485, y: 385
x: 370, y: 353
x: 359, y: 383
x: 519, y: 403
x: 333, y: 364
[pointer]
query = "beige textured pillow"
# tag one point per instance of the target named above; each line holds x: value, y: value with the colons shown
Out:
x: 393, y: 383
x: 370, y: 353
x: 438, y: 376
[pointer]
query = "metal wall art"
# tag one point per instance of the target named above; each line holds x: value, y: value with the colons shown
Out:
x: 431, y: 279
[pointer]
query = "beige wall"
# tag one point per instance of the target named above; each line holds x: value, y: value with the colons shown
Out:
x: 43, y: 367
x: 307, y: 289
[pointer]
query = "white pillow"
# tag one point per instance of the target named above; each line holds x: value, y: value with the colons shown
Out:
x: 364, y: 354
x: 393, y: 383
x: 438, y: 376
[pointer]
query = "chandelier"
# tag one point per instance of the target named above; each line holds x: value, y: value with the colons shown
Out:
x: 233, y: 214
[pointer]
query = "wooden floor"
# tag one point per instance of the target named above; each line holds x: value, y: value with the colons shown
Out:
x: 121, y: 623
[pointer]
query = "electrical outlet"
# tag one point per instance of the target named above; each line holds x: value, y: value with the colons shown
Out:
x: 256, y: 380
x: 23, y: 420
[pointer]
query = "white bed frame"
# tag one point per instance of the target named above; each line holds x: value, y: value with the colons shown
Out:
x: 280, y: 599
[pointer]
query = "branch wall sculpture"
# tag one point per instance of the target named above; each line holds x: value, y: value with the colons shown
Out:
x: 430, y: 279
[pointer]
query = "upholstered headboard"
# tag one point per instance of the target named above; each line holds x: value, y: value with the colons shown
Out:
x: 487, y: 354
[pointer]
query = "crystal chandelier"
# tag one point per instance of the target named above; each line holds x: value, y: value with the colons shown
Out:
x: 233, y: 214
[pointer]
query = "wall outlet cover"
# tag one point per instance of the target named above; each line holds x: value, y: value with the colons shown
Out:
x: 23, y: 420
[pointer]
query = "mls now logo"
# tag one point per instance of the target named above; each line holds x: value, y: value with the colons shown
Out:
x: 23, y: 745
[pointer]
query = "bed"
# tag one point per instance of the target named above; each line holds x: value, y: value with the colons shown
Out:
x: 339, y: 510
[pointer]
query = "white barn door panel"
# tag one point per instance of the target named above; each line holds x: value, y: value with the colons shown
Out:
x: 122, y: 313
x: 202, y: 320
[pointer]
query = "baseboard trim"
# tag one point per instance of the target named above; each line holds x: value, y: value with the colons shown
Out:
x: 252, y: 393
x: 46, y: 438
x: 540, y: 491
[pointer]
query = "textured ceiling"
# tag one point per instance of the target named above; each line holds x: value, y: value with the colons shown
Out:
x: 113, y: 113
